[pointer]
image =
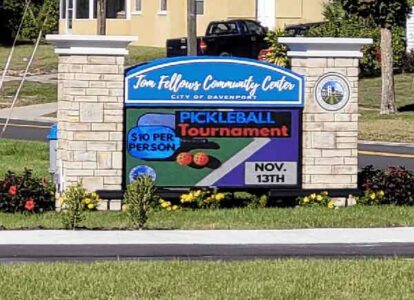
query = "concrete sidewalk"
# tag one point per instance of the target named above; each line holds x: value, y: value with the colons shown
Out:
x: 210, y: 237
x: 31, y: 113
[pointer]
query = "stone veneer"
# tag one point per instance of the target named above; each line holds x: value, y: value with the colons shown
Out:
x: 330, y: 138
x: 90, y: 120
x: 90, y: 110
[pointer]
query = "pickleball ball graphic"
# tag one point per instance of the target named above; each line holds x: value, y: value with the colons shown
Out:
x: 184, y: 158
x: 201, y: 159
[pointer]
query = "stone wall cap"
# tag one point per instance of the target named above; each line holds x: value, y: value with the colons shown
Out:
x: 67, y: 44
x: 325, y: 46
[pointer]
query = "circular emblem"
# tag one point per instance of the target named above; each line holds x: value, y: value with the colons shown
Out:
x: 332, y: 91
x: 142, y: 171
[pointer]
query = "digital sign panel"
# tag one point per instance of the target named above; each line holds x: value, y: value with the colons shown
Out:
x: 213, y: 122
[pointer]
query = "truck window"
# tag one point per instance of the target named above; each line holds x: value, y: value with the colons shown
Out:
x: 254, y: 28
x: 223, y: 28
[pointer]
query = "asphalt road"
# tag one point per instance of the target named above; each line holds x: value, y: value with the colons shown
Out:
x: 380, y: 156
x: 26, y: 130
x: 24, y: 253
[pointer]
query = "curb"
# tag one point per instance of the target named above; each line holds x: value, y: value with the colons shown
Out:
x: 210, y: 237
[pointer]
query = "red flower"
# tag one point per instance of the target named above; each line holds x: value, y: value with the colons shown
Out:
x: 13, y: 190
x: 29, y: 205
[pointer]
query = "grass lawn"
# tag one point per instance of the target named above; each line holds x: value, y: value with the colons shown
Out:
x: 270, y: 279
x: 46, y: 60
x: 265, y: 218
x: 17, y: 155
x: 397, y: 128
x: 31, y: 93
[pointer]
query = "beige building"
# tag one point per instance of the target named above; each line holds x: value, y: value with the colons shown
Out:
x: 154, y: 21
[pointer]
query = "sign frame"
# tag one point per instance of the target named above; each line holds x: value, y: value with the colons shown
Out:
x: 242, y: 106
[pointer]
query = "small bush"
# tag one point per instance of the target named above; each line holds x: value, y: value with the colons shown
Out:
x: 91, y: 201
x: 72, y: 212
x: 397, y: 184
x: 277, y: 53
x: 24, y: 193
x: 250, y: 200
x: 138, y: 198
x: 322, y: 200
x: 371, y: 198
x: 339, y: 24
x: 408, y: 64
x: 168, y: 205
x: 202, y: 199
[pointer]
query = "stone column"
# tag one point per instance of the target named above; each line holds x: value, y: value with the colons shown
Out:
x: 330, y: 134
x: 90, y: 109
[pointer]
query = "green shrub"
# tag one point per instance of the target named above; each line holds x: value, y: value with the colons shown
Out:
x: 371, y: 198
x: 250, y: 200
x: 72, y: 206
x: 341, y: 25
x: 138, y: 198
x: 408, y: 63
x: 277, y: 53
x: 11, y: 14
x: 24, y: 193
x: 395, y: 183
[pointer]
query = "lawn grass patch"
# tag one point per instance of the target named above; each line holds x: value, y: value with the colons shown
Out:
x: 46, y: 60
x: 370, y: 91
x: 260, y: 279
x: 31, y: 93
x: 18, y: 155
x: 140, y: 54
x: 204, y: 219
x: 392, y: 128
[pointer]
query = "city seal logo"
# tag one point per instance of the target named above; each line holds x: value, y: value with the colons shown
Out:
x: 332, y: 92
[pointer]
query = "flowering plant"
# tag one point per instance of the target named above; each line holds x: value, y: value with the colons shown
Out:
x: 397, y: 184
x: 167, y: 205
x: 371, y: 198
x: 24, y: 193
x: 202, y: 199
x: 89, y: 201
x: 314, y: 199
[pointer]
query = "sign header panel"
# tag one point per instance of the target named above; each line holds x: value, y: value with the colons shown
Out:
x: 212, y: 81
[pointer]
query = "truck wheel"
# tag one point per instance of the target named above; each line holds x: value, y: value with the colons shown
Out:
x: 224, y: 54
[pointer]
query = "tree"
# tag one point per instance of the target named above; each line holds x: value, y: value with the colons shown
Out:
x: 101, y: 19
x: 385, y: 14
x: 11, y: 13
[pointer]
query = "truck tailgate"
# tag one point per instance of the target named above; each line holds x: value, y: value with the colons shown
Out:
x: 177, y: 47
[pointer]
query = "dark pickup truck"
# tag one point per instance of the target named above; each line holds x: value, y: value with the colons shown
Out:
x: 242, y: 38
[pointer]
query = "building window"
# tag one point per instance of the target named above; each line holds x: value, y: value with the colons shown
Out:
x: 82, y: 9
x: 163, y: 5
x: 199, y: 6
x: 138, y: 5
x: 115, y: 9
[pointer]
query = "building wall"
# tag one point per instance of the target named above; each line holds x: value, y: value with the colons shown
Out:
x: 153, y: 27
x: 298, y: 11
